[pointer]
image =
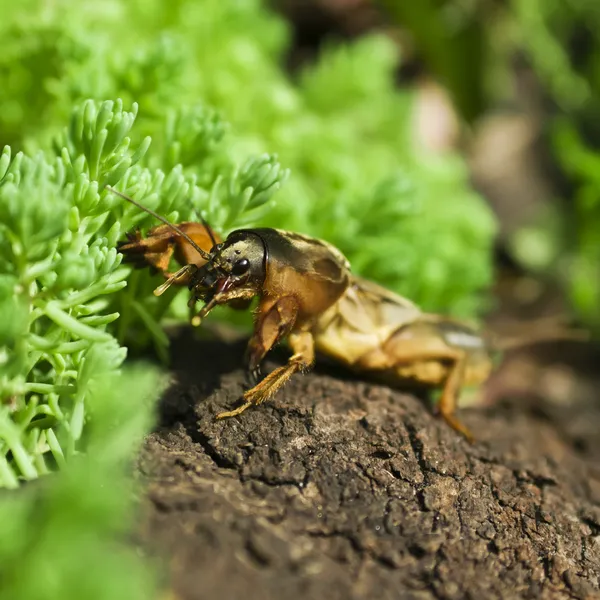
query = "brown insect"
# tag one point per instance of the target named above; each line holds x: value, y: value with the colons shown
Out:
x: 307, y: 294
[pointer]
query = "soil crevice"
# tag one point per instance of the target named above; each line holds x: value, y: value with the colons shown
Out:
x: 344, y: 489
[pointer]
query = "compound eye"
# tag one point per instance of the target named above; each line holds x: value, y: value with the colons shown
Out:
x: 240, y: 266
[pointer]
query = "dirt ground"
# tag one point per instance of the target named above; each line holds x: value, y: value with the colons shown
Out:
x: 341, y: 488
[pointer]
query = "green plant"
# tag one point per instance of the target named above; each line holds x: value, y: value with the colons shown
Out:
x: 547, y: 31
x: 59, y: 263
x: 581, y: 270
x: 451, y: 38
x: 471, y: 47
x: 64, y: 536
x: 358, y: 176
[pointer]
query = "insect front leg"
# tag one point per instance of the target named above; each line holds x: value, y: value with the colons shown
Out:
x: 303, y: 356
x: 154, y: 251
x: 161, y: 244
x: 275, y: 320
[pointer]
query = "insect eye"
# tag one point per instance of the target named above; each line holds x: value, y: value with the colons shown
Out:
x: 240, y: 266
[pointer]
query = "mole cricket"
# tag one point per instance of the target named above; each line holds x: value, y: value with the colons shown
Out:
x: 307, y: 294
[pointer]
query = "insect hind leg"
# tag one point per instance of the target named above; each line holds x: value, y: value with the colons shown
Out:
x: 419, y: 354
x: 449, y: 398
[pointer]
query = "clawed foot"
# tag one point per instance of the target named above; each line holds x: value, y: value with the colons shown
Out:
x: 459, y: 427
x: 251, y: 397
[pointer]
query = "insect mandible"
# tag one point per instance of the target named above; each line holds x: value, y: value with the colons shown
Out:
x: 307, y: 294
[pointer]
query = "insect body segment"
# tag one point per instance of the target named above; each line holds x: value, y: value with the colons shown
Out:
x: 376, y: 332
x: 307, y: 294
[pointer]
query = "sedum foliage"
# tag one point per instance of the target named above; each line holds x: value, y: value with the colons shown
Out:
x: 405, y: 218
x: 59, y: 267
x: 63, y: 537
x: 64, y: 400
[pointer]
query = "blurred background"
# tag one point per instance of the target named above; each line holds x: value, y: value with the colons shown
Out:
x: 514, y: 86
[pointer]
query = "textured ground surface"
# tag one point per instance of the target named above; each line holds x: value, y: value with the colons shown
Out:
x: 344, y: 489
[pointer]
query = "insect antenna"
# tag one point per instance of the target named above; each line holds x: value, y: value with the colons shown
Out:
x: 567, y: 335
x: 541, y: 330
x: 205, y: 255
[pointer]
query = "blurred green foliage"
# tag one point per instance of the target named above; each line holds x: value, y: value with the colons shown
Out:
x: 561, y: 39
x: 358, y: 177
x: 472, y: 46
x: 582, y: 268
x: 451, y: 38
x: 64, y: 537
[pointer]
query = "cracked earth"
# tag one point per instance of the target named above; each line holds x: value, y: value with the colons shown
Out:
x: 341, y: 488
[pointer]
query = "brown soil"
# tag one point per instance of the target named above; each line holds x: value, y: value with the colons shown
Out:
x: 341, y: 488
